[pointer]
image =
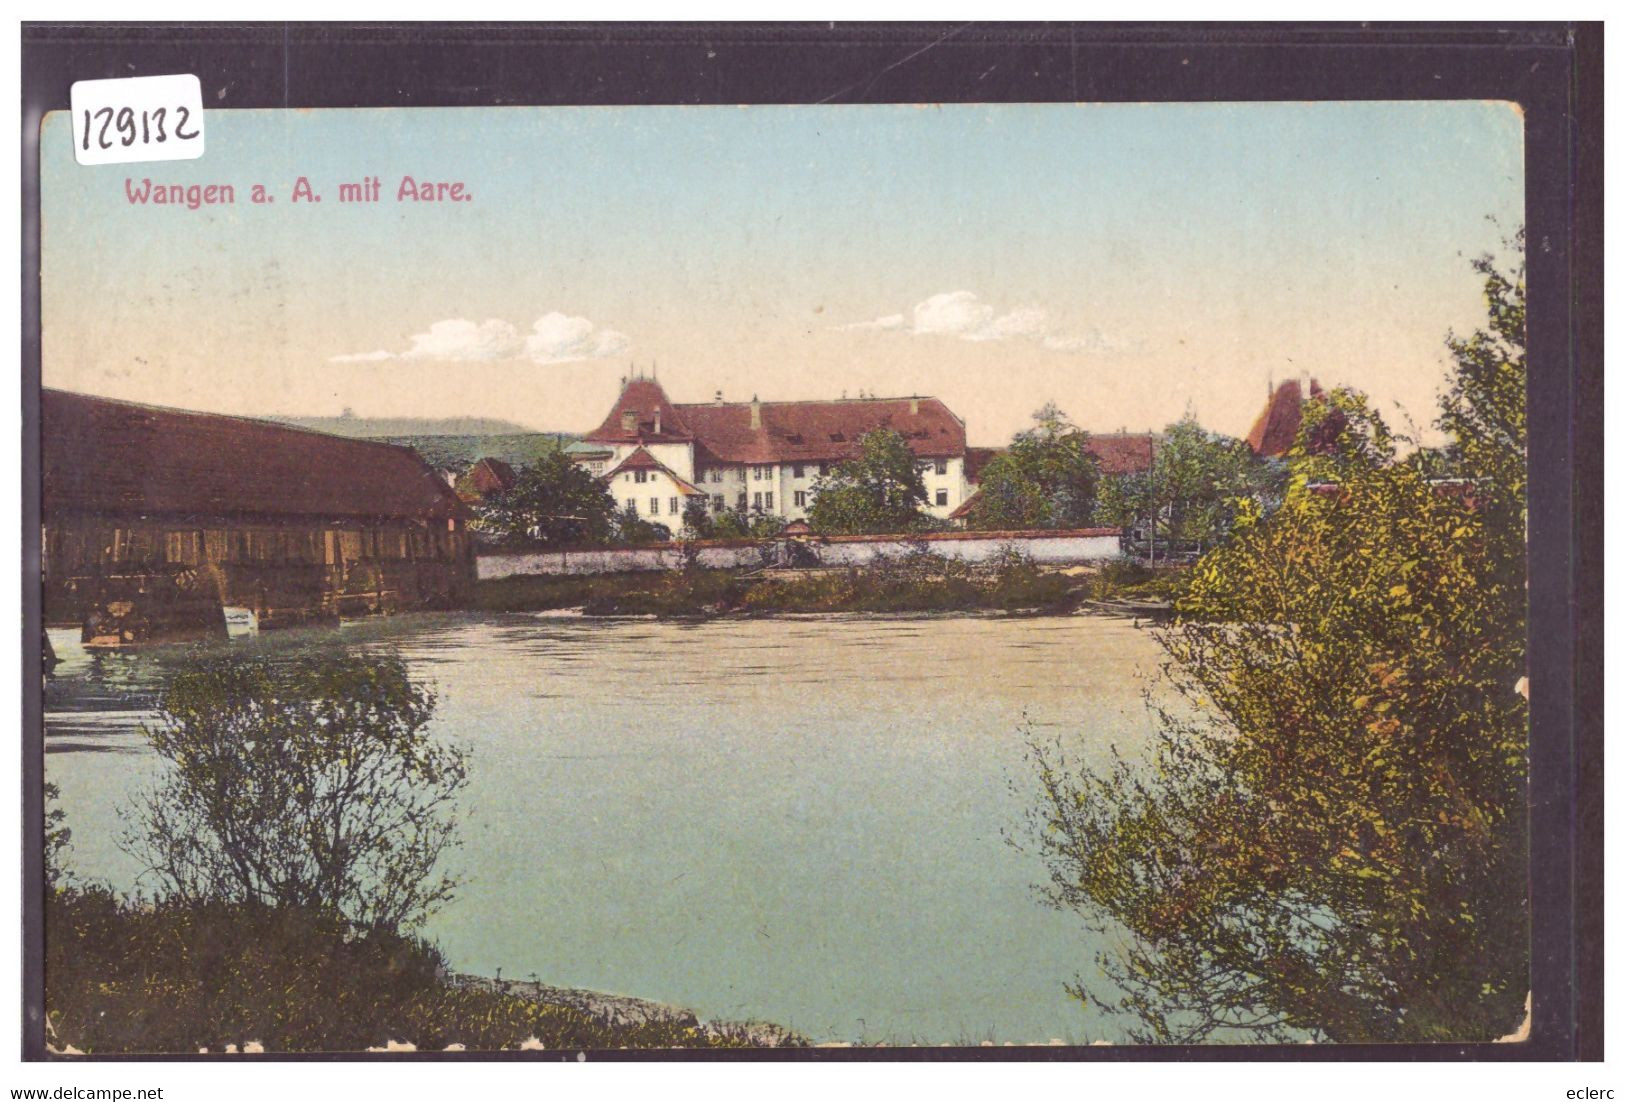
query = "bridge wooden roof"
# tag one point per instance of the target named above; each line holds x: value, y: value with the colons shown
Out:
x: 116, y: 458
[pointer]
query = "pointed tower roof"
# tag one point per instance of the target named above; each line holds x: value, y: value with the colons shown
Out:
x: 643, y: 414
x: 1277, y: 426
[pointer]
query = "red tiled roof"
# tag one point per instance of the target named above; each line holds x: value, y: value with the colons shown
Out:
x: 1277, y: 426
x: 803, y: 431
x: 787, y: 432
x: 491, y: 475
x: 641, y: 460
x: 967, y: 507
x: 643, y: 405
x: 976, y: 459
x: 1122, y: 453
x: 103, y: 456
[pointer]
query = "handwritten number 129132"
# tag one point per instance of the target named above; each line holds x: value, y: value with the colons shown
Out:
x: 125, y: 122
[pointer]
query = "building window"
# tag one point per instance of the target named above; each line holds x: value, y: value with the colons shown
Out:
x: 654, y: 506
x: 799, y: 471
x: 741, y: 503
x: 640, y: 476
x: 942, y: 497
x: 632, y: 505
x: 801, y: 499
x: 756, y: 473
x: 596, y: 466
x: 770, y: 501
x: 717, y: 503
x: 675, y: 509
x: 942, y: 468
x: 756, y: 501
x: 823, y: 469
x: 716, y: 474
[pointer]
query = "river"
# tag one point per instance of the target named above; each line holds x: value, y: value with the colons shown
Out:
x: 800, y: 820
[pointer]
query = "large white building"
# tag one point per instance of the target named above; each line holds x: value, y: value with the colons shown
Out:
x: 759, y: 457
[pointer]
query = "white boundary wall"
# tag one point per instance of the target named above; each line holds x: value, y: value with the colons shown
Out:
x: 1063, y: 547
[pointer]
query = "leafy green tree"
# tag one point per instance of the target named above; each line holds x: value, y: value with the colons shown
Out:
x: 697, y: 522
x: 765, y: 526
x: 882, y: 490
x: 1047, y: 478
x: 58, y: 840
x: 1198, y: 484
x: 730, y: 525
x: 556, y: 503
x: 312, y: 784
x: 1197, y: 480
x: 1124, y: 501
x: 1329, y: 837
x: 630, y: 528
x: 1483, y: 406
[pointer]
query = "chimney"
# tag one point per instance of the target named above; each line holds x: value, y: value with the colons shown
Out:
x: 914, y: 406
x: 719, y: 397
x: 657, y: 420
x: 755, y: 413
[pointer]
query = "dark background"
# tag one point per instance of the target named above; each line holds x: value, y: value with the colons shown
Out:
x: 1553, y: 70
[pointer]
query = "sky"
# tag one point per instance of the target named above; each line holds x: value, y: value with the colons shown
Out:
x: 1130, y: 262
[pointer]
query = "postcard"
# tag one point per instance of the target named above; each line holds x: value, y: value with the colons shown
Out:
x: 585, y: 578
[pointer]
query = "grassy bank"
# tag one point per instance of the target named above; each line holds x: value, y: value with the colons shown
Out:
x: 914, y: 583
x: 177, y: 977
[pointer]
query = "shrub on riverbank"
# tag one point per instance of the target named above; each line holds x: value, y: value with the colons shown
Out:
x: 1128, y: 579
x: 176, y: 977
x: 915, y: 582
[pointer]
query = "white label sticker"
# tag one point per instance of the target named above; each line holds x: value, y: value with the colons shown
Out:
x: 137, y: 119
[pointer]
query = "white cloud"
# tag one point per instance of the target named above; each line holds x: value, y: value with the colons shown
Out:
x: 964, y: 316
x: 557, y: 339
x: 554, y: 338
x: 462, y: 341
x: 890, y: 321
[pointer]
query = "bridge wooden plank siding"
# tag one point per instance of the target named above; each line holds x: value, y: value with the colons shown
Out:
x: 155, y: 520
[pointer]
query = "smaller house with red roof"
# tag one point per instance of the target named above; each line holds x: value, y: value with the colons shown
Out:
x: 1118, y: 453
x: 486, y: 477
x: 650, y: 488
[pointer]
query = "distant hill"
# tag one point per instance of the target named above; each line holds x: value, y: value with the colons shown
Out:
x: 373, y: 427
x: 517, y: 449
x: 454, y: 442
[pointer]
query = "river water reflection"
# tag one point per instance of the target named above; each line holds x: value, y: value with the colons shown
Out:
x: 798, y: 820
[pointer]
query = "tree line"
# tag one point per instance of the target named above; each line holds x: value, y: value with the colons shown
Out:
x: 1047, y: 478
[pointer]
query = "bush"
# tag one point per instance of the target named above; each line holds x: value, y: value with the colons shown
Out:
x: 313, y: 784
x: 1015, y: 582
x: 1133, y: 579
x: 177, y: 976
x: 1330, y: 837
x: 58, y: 842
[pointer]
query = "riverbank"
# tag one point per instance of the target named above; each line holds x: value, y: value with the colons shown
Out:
x: 169, y: 977
x: 928, y: 584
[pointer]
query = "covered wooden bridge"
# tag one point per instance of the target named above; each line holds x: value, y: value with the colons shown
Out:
x: 156, y: 520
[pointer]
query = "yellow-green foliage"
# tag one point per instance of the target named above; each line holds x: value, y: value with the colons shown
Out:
x: 1330, y: 837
